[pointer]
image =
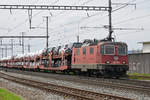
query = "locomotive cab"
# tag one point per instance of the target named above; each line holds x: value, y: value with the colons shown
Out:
x: 114, y: 57
x: 114, y: 53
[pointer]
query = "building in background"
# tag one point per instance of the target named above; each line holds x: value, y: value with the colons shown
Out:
x: 146, y: 47
x: 139, y: 60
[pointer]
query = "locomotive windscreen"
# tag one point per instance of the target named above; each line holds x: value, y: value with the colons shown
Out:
x: 109, y: 49
x: 122, y: 50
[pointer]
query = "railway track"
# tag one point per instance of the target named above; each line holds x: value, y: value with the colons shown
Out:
x: 62, y: 90
x: 128, y: 85
x: 90, y: 80
x: 131, y: 84
x: 125, y: 85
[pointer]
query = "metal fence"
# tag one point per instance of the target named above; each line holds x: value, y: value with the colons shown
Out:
x: 139, y: 63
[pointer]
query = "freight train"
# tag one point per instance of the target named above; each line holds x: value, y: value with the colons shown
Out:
x: 92, y: 57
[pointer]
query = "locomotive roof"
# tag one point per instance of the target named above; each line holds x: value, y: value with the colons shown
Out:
x: 97, y: 42
x: 112, y: 42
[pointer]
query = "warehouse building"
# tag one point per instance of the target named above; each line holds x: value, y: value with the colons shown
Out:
x: 140, y: 62
x: 146, y: 47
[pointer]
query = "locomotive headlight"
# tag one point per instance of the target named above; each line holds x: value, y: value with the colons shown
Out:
x: 124, y: 62
x: 107, y: 62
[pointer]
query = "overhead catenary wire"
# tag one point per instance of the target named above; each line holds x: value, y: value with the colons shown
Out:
x: 19, y: 25
x: 84, y: 18
x: 26, y: 20
x: 132, y: 19
x: 120, y: 8
x: 69, y: 24
x: 86, y: 2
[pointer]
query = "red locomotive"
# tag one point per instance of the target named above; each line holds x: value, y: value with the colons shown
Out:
x: 101, y: 58
x: 93, y: 57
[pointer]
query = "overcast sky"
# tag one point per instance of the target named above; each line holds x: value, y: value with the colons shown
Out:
x: 64, y: 26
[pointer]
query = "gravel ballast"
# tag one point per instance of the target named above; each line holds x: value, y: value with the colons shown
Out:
x: 101, y: 89
x: 29, y: 93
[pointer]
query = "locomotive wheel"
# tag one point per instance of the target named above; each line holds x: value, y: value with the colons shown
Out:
x: 89, y: 73
x: 66, y: 72
x: 97, y: 75
x: 77, y: 72
x: 117, y: 77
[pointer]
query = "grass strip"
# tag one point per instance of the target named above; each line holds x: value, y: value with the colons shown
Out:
x: 6, y: 95
x: 139, y: 76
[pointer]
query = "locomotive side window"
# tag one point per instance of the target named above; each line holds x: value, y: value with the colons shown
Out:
x: 84, y: 51
x: 109, y: 49
x: 102, y: 49
x: 91, y: 50
x: 122, y: 50
x: 77, y: 52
